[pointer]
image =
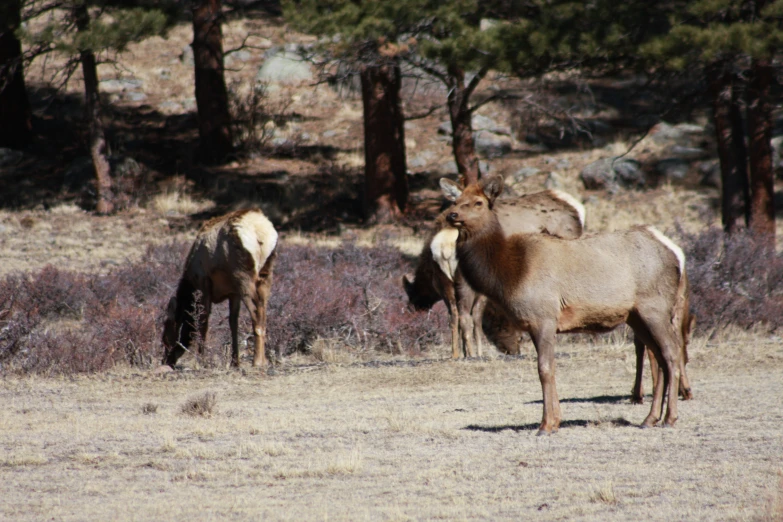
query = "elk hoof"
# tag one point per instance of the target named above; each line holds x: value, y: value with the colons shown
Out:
x: 637, y: 400
x: 542, y: 432
x: 686, y: 394
x: 649, y: 422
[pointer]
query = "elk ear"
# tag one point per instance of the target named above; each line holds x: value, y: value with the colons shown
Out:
x: 451, y: 190
x: 492, y: 187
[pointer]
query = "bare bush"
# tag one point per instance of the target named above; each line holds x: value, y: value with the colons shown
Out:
x: 734, y: 280
x: 254, y: 116
x: 350, y: 294
x: 204, y: 405
x: 60, y: 322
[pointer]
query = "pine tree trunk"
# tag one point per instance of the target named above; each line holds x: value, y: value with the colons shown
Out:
x: 385, y: 178
x: 762, y: 180
x: 730, y: 140
x: 16, y: 127
x: 462, y: 127
x: 93, y: 111
x: 214, y: 121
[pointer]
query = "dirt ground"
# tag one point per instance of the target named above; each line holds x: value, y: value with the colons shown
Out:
x: 435, y: 440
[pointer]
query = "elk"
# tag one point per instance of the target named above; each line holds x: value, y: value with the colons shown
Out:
x: 437, y: 276
x: 548, y: 285
x: 232, y: 258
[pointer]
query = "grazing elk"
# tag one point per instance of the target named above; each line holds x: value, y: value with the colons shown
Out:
x: 438, y: 277
x: 232, y: 258
x: 548, y: 285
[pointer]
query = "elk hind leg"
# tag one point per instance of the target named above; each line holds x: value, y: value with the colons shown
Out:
x: 659, y: 337
x: 234, y: 304
x: 259, y: 324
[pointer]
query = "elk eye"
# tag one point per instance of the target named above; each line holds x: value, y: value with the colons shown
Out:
x: 479, y: 203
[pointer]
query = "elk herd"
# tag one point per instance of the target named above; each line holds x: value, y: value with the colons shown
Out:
x: 502, y: 266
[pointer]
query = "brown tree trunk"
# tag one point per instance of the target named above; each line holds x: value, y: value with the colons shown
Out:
x: 385, y: 177
x: 762, y: 180
x: 16, y: 127
x: 93, y: 111
x: 214, y: 121
x: 462, y: 126
x: 731, y: 150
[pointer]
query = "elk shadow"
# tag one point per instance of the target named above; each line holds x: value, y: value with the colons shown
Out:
x: 576, y: 423
x: 599, y: 399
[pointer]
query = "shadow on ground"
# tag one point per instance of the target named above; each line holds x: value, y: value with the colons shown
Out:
x: 578, y: 423
x: 600, y: 399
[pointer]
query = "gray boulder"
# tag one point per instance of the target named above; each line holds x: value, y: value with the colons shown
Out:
x: 186, y: 56
x: 491, y: 145
x: 611, y: 173
x: 672, y: 168
x: 10, y: 157
x: 525, y: 172
x: 284, y: 66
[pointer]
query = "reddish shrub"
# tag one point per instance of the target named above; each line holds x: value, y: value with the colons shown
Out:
x: 352, y: 294
x: 56, y: 321
x: 734, y: 280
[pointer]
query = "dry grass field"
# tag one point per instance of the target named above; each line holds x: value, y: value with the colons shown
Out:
x: 336, y: 435
x: 398, y: 440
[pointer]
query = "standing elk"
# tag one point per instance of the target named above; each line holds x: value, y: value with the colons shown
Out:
x: 437, y: 276
x: 232, y: 258
x: 548, y: 285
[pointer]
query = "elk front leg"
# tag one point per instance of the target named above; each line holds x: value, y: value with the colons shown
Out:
x: 465, y: 299
x: 478, y: 327
x: 454, y: 324
x: 544, y: 341
x: 637, y: 393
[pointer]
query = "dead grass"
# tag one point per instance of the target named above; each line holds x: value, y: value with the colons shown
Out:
x: 204, y: 405
x: 435, y: 440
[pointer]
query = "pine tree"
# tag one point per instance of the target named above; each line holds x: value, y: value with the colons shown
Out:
x: 16, y: 128
x: 734, y: 43
x: 214, y: 120
x: 367, y: 39
x: 88, y: 30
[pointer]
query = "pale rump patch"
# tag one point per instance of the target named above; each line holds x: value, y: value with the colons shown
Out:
x: 670, y: 245
x: 258, y: 236
x: 571, y: 200
x: 444, y: 251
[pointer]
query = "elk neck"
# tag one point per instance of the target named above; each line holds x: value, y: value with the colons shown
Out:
x: 186, y: 300
x: 491, y: 263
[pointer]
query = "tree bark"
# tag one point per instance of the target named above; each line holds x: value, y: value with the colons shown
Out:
x: 214, y: 120
x: 462, y: 126
x: 731, y: 149
x: 16, y: 127
x: 94, y: 114
x: 762, y: 180
x: 385, y: 176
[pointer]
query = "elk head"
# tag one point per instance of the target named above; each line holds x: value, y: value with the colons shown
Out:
x: 421, y: 295
x: 472, y: 205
